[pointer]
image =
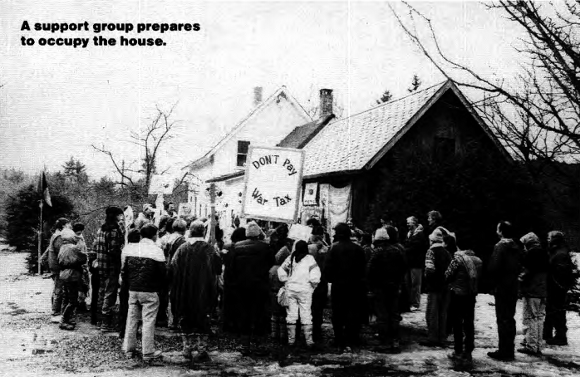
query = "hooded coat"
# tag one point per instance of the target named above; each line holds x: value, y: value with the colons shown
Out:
x: 533, y: 279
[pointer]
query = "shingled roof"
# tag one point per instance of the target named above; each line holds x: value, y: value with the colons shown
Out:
x: 351, y: 144
x: 301, y: 135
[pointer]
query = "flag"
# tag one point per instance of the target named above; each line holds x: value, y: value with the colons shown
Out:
x: 43, y: 189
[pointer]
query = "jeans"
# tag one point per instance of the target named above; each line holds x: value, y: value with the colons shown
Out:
x: 387, y: 310
x: 144, y: 306
x: 71, y: 291
x: 436, y: 315
x: 463, y: 309
x: 533, y: 319
x: 416, y: 275
x: 57, y: 295
x: 505, y: 310
x: 108, y: 287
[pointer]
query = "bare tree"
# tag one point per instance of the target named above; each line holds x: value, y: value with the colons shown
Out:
x: 150, y: 139
x: 538, y: 116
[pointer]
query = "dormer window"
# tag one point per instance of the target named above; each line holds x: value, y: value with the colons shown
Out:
x: 242, y: 153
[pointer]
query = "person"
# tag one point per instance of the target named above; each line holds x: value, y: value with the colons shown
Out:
x: 415, y: 249
x: 171, y: 211
x: 229, y: 298
x: 50, y: 256
x: 319, y: 251
x: 462, y: 275
x: 167, y: 235
x: 143, y: 266
x: 193, y: 290
x: 174, y: 241
x: 145, y: 217
x: 249, y: 266
x: 355, y: 233
x: 533, y: 289
x: 78, y: 228
x: 437, y: 261
x: 386, y: 273
x: 301, y: 275
x: 504, y: 269
x: 560, y: 281
x: 133, y: 239
x: 345, y: 269
x: 108, y: 246
x: 279, y: 329
x: 434, y: 220
x: 71, y: 259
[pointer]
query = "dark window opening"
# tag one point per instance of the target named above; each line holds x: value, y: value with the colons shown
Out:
x: 242, y: 152
x: 444, y: 148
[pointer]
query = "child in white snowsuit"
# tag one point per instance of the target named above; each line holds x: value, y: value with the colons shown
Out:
x: 301, y: 275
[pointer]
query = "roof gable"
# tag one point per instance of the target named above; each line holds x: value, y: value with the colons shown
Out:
x: 274, y: 98
x: 360, y: 141
x: 301, y: 135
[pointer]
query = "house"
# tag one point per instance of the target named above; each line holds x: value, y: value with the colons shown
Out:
x: 230, y: 185
x: 428, y: 150
x: 267, y: 124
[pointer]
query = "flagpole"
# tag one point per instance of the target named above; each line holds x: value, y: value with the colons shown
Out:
x: 40, y: 237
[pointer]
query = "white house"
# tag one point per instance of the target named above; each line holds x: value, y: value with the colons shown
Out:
x: 266, y: 125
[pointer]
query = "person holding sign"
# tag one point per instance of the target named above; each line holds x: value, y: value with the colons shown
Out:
x: 301, y: 275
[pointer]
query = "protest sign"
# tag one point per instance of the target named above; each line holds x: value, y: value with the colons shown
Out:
x: 299, y: 232
x: 310, y: 192
x: 272, y: 184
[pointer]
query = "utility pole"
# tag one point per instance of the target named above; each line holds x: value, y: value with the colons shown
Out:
x: 212, y: 213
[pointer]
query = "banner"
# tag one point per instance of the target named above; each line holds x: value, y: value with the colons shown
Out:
x: 272, y: 185
x: 310, y: 193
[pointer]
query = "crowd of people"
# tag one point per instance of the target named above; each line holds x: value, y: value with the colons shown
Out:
x: 261, y: 284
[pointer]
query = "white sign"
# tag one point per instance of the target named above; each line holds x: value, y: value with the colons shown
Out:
x: 272, y: 184
x: 161, y: 184
x: 310, y: 191
x: 300, y: 232
x: 185, y: 209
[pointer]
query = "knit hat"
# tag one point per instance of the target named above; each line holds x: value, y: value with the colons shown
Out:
x: 530, y: 239
x: 253, y: 230
x: 381, y: 235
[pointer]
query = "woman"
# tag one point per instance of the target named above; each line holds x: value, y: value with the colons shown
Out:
x: 301, y: 275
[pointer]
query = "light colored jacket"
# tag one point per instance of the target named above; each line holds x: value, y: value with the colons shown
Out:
x: 303, y: 276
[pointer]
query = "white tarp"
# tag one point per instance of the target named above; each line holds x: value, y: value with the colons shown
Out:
x: 272, y: 184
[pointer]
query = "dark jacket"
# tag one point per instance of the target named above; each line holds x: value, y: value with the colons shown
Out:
x: 416, y: 248
x: 533, y: 279
x: 387, y: 267
x: 437, y: 261
x: 71, y: 260
x: 504, y: 267
x: 51, y: 252
x: 345, y: 264
x: 144, y: 266
x: 560, y: 270
x: 463, y: 273
x: 250, y: 263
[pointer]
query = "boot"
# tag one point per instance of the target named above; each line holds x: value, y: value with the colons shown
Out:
x: 291, y: 333
x: 107, y: 324
x: 307, y: 329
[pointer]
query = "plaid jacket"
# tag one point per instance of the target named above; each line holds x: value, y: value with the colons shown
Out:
x: 108, y: 246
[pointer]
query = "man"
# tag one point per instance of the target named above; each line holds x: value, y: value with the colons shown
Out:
x: 386, y: 272
x: 193, y: 290
x: 51, y: 256
x: 415, y: 249
x: 144, y: 270
x: 250, y: 264
x: 434, y: 220
x: 108, y: 245
x: 171, y: 211
x: 78, y: 228
x: 462, y: 275
x: 319, y: 251
x: 345, y: 269
x: 504, y: 269
x: 71, y: 259
x: 533, y: 291
x: 560, y: 280
x: 437, y: 261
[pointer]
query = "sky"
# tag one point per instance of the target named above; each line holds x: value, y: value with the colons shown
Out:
x: 57, y: 101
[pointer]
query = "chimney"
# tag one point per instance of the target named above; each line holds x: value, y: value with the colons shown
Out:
x: 257, y: 95
x: 325, y: 103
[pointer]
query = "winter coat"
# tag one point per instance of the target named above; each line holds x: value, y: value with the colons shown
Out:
x: 301, y: 276
x: 144, y: 267
x: 71, y: 260
x: 250, y: 263
x: 463, y: 273
x: 560, y: 270
x: 51, y: 252
x: 437, y: 261
x: 387, y: 266
x: 533, y: 279
x: 416, y: 248
x: 345, y: 265
x: 504, y: 267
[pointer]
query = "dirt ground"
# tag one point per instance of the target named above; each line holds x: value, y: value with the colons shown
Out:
x: 30, y: 345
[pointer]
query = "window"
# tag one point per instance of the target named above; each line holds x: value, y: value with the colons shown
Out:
x: 444, y: 148
x: 242, y: 152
